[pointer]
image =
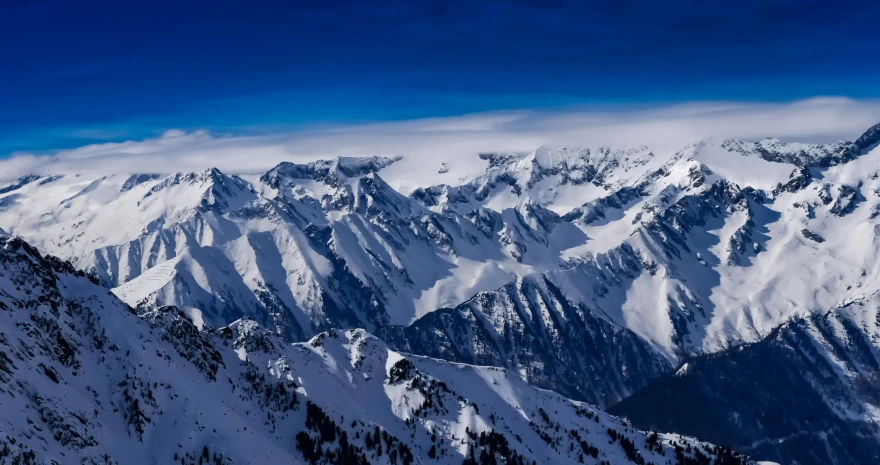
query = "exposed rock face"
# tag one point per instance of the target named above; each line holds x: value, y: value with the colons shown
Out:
x: 330, y: 172
x: 848, y: 198
x: 530, y: 327
x: 799, y: 180
x: 804, y: 155
x: 812, y: 236
x: 868, y: 141
x: 822, y: 156
x: 19, y: 183
x: 596, y: 210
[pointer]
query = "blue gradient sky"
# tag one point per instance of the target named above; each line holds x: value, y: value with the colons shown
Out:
x: 73, y: 73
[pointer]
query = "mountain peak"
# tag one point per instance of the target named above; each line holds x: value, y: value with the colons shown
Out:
x: 331, y: 172
x: 868, y: 140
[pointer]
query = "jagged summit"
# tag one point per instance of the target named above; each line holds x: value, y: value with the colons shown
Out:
x: 809, y: 155
x: 331, y: 172
x: 869, y: 140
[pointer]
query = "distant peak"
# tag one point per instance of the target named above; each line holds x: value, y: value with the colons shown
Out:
x: 210, y: 175
x: 869, y: 139
x: 357, y: 166
x: 794, y: 153
x: 500, y: 159
x: 328, y: 171
x: 546, y: 157
x: 138, y: 179
x: 19, y: 183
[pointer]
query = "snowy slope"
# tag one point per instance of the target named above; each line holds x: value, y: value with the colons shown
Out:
x: 86, y: 380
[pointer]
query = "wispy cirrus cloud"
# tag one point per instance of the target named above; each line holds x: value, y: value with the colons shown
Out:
x: 425, y: 143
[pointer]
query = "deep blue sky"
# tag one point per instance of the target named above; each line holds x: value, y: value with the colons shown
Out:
x: 91, y: 70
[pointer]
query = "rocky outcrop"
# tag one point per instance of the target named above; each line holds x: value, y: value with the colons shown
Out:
x: 812, y: 236
x: 596, y: 210
x: 800, y: 178
x: 847, y: 200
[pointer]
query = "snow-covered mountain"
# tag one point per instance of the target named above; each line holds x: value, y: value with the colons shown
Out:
x: 301, y: 249
x: 84, y: 379
x: 590, y: 271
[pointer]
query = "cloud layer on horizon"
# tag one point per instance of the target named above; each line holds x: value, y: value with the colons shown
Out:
x: 459, y: 139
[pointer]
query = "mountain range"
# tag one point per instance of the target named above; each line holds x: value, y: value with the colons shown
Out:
x: 727, y: 273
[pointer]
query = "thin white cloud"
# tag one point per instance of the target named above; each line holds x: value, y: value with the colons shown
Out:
x: 425, y: 143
